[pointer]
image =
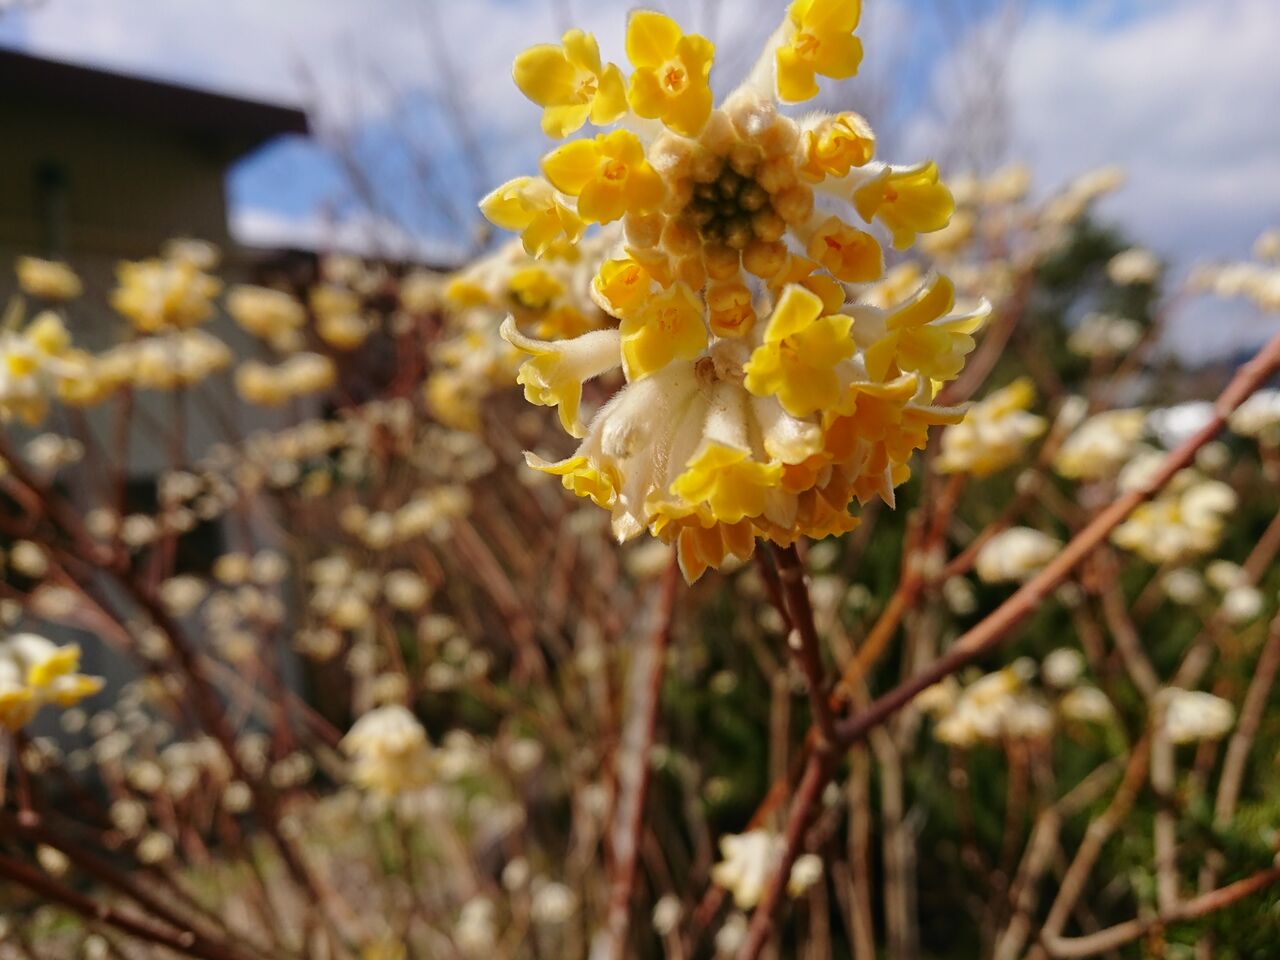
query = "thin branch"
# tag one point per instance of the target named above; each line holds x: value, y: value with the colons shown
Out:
x: 634, y: 775
x: 803, y: 639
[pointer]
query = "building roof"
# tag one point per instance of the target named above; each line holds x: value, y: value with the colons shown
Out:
x: 237, y: 123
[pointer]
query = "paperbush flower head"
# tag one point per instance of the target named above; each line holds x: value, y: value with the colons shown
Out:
x: 273, y: 315
x: 1101, y: 445
x: 763, y: 390
x: 995, y: 707
x: 47, y: 279
x: 1016, y: 554
x: 994, y: 434
x: 389, y: 750
x: 34, y: 672
x: 37, y: 363
x: 747, y: 860
x: 156, y: 295
x: 1186, y: 520
x: 1190, y: 716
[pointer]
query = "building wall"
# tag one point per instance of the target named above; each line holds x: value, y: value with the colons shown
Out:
x: 77, y: 185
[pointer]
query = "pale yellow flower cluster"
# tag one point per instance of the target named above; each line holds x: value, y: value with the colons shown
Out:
x: 994, y: 434
x: 1103, y: 336
x: 1186, y: 520
x: 299, y: 375
x: 426, y: 513
x: 547, y: 297
x: 996, y: 707
x: 160, y: 295
x: 747, y: 862
x: 1015, y: 555
x: 35, y: 672
x: 1133, y: 267
x: 1257, y: 280
x: 1009, y: 705
x: 37, y: 363
x: 47, y: 279
x: 273, y: 315
x: 1259, y: 417
x: 389, y: 750
x: 1100, y: 446
x: 1192, y: 716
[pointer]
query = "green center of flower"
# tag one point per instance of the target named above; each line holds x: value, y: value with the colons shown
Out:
x: 732, y: 209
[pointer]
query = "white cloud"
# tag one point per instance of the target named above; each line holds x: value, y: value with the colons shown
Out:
x: 361, y: 234
x: 1184, y: 96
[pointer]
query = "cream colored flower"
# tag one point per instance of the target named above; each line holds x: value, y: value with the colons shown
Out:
x: 994, y: 707
x: 1187, y: 519
x: 1086, y: 704
x: 1101, y: 445
x: 47, y: 279
x: 157, y: 295
x: 273, y: 315
x: 1104, y: 335
x: 746, y: 864
x: 994, y: 434
x: 1133, y: 266
x: 1062, y: 668
x: 1259, y: 417
x: 1016, y: 554
x: 389, y: 750
x: 1190, y: 716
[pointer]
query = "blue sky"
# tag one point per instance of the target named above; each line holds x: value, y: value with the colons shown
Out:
x: 1180, y: 92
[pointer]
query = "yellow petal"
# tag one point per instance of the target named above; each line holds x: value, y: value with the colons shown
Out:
x: 651, y: 38
x: 545, y: 75
x: 572, y: 166
x: 795, y: 76
x: 796, y: 309
x: 838, y: 56
x: 827, y: 16
x: 559, y: 122
x: 581, y: 50
x: 610, y: 101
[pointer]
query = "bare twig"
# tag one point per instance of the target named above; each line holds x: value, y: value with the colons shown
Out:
x: 634, y: 766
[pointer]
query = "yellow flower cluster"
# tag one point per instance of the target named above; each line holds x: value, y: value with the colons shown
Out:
x: 47, y: 279
x: 34, y: 672
x: 36, y: 363
x: 296, y: 376
x: 273, y: 315
x: 548, y: 296
x: 164, y: 294
x: 764, y: 390
x: 1186, y: 520
x: 390, y: 751
x: 180, y: 358
x: 1101, y: 445
x: 994, y: 433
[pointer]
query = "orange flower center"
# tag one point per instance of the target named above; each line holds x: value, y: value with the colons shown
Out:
x: 806, y: 44
x: 674, y: 78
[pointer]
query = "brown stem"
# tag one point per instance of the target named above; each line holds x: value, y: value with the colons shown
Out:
x: 803, y: 639
x: 184, y: 942
x: 634, y: 776
x: 1130, y: 930
x: 817, y: 772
